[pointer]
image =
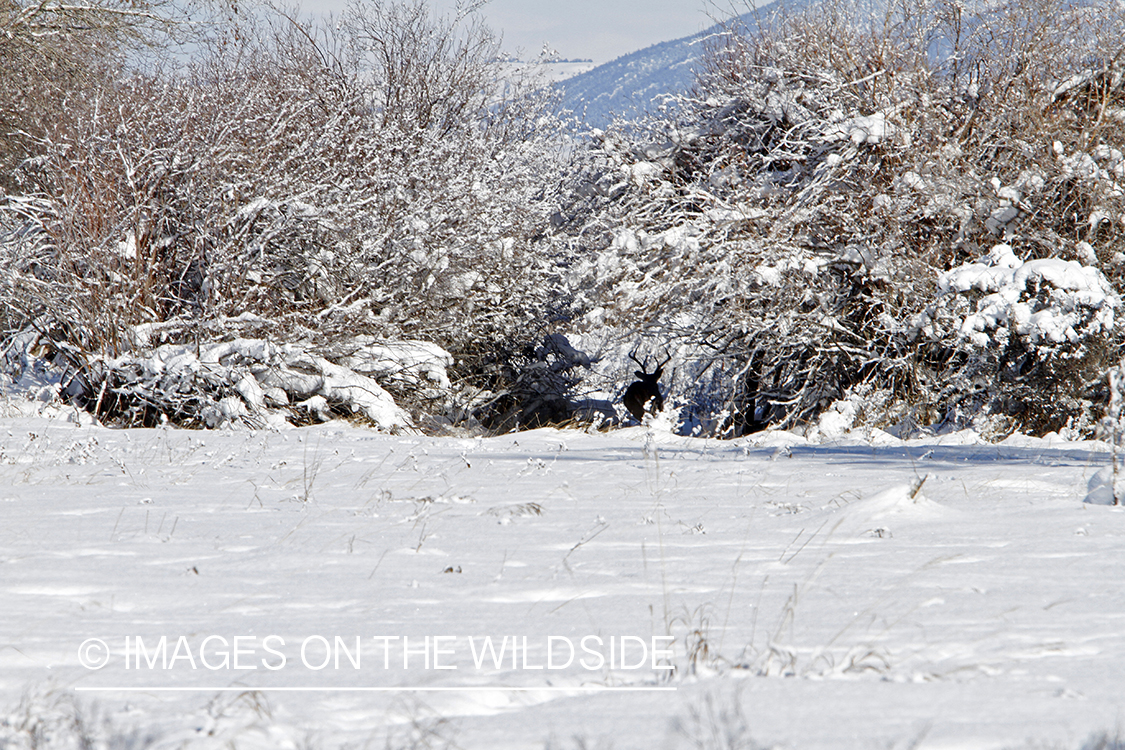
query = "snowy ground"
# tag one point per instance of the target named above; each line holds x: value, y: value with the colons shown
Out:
x: 814, y: 601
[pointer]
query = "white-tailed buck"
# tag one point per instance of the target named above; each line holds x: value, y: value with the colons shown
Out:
x: 646, y: 390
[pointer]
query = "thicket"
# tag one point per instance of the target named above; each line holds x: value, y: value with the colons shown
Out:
x: 902, y: 214
x: 385, y: 176
x: 53, y: 55
x: 823, y: 221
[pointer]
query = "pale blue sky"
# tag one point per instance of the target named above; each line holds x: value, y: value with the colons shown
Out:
x: 597, y: 29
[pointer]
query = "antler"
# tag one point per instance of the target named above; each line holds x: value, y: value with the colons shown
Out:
x: 633, y: 356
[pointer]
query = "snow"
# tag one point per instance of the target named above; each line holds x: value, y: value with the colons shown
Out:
x: 913, y: 181
x: 268, y: 376
x: 871, y: 129
x: 847, y: 591
x: 1078, y: 298
x: 360, y: 392
x: 644, y: 171
x: 1100, y: 488
x: 411, y: 362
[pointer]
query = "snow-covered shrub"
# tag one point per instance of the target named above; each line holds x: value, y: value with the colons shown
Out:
x: 795, y: 216
x: 1025, y: 339
x: 228, y: 378
x: 385, y: 177
x: 532, y: 386
x: 54, y: 54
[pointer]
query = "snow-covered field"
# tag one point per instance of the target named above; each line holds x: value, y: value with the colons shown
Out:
x: 819, y: 598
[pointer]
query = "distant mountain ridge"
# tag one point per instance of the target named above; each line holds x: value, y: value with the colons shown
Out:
x: 634, y: 82
x: 629, y: 84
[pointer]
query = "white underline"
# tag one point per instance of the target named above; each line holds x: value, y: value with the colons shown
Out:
x: 486, y: 689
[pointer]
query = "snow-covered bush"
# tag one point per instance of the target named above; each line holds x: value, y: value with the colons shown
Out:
x: 793, y: 219
x: 384, y: 177
x: 1029, y: 339
x: 229, y: 377
x: 54, y: 54
x: 531, y: 386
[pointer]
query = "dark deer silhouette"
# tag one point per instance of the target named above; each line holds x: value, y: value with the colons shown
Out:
x: 646, y: 390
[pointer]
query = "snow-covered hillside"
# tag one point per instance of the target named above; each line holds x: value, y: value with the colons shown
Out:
x: 852, y: 592
x: 636, y: 81
x: 628, y: 84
